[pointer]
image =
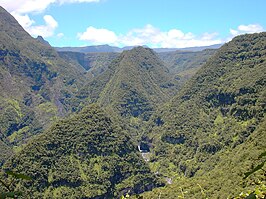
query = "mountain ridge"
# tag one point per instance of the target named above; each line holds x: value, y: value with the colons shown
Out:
x: 108, y: 48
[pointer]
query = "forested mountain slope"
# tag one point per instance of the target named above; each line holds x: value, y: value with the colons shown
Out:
x: 222, y: 175
x: 216, y: 111
x: 6, y: 151
x: 132, y: 84
x: 83, y: 156
x: 131, y: 88
x: 138, y: 83
x: 34, y: 82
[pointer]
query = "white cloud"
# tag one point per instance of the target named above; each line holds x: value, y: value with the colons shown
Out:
x: 98, y: 36
x: 149, y: 35
x: 24, y: 20
x: 60, y: 35
x: 46, y: 30
x: 21, y: 9
x: 26, y: 6
x: 28, y: 24
x: 243, y: 29
x: 29, y: 6
x: 233, y: 32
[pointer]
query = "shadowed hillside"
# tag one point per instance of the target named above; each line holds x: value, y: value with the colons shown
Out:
x: 94, y: 63
x: 35, y: 82
x: 184, y: 64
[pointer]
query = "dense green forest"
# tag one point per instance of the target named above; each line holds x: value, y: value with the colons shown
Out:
x: 212, y: 129
x: 137, y: 123
x: 84, y: 156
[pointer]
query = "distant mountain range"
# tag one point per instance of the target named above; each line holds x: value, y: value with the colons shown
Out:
x: 107, y: 48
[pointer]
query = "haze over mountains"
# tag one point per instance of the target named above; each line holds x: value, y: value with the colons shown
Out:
x: 92, y: 124
x: 107, y: 48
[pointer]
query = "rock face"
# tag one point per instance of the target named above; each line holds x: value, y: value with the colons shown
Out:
x: 41, y: 39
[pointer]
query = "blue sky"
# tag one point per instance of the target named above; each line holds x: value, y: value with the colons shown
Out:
x: 156, y: 23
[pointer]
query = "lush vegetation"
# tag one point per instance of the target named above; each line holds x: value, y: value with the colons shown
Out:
x: 220, y: 109
x: 35, y: 83
x: 198, y: 119
x: 84, y: 156
x: 137, y: 83
x: 6, y: 152
x: 130, y: 88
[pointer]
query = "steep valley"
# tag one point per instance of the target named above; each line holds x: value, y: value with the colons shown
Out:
x: 134, y: 123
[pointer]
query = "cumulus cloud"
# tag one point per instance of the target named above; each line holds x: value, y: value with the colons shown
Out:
x: 26, y: 6
x: 243, y: 29
x: 29, y: 6
x: 46, y: 30
x: 21, y: 9
x: 24, y: 20
x: 149, y: 35
x: 98, y: 36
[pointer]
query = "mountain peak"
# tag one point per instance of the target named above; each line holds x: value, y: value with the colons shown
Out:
x: 136, y: 84
x: 42, y: 40
x: 143, y: 57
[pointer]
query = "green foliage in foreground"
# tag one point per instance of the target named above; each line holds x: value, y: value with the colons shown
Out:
x: 6, y: 191
x: 225, y: 178
x: 258, y: 167
x: 84, y: 156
